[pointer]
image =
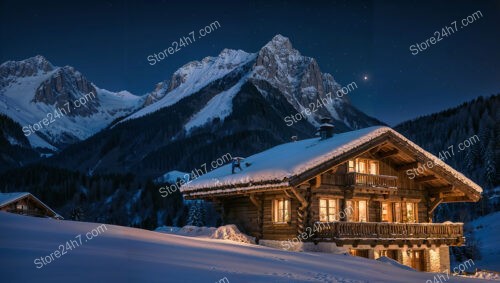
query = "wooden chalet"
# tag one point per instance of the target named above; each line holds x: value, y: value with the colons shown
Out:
x: 355, y: 186
x: 26, y: 204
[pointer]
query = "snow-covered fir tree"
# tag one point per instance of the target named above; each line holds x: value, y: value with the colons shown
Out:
x: 197, y: 214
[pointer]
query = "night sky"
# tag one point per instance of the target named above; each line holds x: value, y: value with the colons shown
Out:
x: 108, y: 41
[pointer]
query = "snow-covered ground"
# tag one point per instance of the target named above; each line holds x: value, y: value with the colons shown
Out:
x: 122, y: 254
x: 486, y: 231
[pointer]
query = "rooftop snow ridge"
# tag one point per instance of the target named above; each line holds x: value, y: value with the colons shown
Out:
x: 282, y: 162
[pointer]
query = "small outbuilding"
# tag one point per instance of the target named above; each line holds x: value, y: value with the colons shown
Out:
x: 26, y: 204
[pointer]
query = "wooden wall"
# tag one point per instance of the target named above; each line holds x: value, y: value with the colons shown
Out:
x: 273, y: 231
x: 241, y: 212
x: 408, y: 190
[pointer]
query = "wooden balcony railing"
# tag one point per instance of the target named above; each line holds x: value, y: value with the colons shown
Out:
x: 360, y: 179
x: 389, y: 231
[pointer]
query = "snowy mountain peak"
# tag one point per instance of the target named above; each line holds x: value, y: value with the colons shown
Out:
x: 280, y: 42
x: 277, y: 65
x: 34, y: 89
x: 192, y: 77
x: 24, y: 68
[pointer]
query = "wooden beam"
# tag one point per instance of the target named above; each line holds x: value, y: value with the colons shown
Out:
x: 425, y: 179
x: 301, y: 199
x: 255, y: 201
x: 318, y: 181
x: 457, y: 199
x: 451, y: 194
x: 441, y: 189
x: 287, y: 194
x: 434, y: 204
x: 407, y: 166
x: 388, y: 153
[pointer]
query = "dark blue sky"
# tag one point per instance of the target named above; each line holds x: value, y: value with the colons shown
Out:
x: 108, y: 41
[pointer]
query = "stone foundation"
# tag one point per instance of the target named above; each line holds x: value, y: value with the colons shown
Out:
x: 435, y: 259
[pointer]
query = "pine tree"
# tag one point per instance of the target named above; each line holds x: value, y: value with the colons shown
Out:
x: 77, y: 214
x: 490, y: 170
x: 197, y: 214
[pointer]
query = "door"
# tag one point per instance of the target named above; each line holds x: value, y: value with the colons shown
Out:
x: 418, y: 260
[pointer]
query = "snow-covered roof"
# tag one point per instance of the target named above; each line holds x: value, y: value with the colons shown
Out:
x: 10, y: 197
x: 7, y: 198
x: 283, y: 162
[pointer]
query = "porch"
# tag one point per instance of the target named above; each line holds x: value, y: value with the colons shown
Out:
x: 382, y: 233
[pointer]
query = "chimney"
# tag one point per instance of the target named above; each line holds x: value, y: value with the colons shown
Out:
x: 325, y: 130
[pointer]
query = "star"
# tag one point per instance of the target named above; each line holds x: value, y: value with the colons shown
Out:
x: 365, y: 78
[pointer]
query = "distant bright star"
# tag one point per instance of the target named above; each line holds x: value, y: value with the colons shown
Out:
x: 365, y: 78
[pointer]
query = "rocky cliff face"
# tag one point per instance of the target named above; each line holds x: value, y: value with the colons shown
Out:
x: 67, y: 85
x: 11, y: 70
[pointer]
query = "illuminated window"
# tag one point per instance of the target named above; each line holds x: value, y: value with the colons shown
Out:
x: 363, y: 166
x: 328, y: 210
x: 396, y: 212
x: 21, y: 207
x: 373, y: 167
x: 386, y: 212
x: 281, y: 208
x: 410, y: 212
x: 363, y: 211
x: 391, y: 212
x: 350, y: 166
x: 357, y: 210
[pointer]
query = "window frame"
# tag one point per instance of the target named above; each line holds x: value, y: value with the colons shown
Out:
x: 328, y: 209
x: 355, y: 217
x: 414, y: 214
x: 355, y: 165
x: 400, y: 212
x: 393, y: 211
x: 286, y: 211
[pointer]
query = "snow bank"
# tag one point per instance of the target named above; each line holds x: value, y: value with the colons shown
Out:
x: 484, y: 274
x: 231, y: 232
x: 228, y: 232
x: 395, y: 263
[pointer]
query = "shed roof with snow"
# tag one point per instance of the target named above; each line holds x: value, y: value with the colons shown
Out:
x: 8, y: 198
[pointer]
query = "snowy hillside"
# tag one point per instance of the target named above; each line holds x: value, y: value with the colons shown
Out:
x: 192, y: 77
x: 121, y: 254
x: 486, y: 231
x: 33, y: 89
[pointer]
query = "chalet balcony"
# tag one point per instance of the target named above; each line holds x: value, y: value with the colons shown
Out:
x: 356, y: 179
x: 390, y: 233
